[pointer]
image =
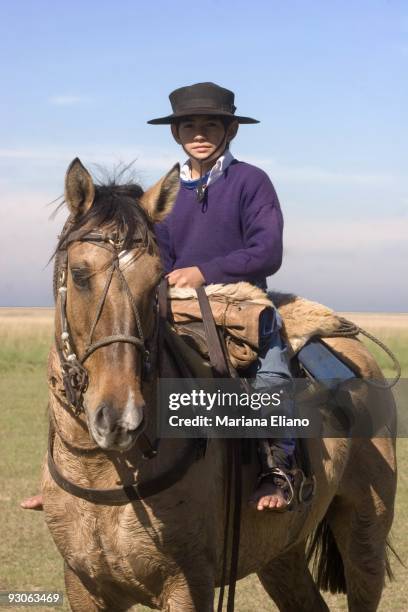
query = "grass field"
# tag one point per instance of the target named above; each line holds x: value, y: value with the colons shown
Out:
x: 28, y: 558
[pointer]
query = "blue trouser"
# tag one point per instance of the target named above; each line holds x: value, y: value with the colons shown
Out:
x: 271, y: 370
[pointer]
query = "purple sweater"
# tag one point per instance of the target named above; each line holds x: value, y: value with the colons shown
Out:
x: 234, y: 235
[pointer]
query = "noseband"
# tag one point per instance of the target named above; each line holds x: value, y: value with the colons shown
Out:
x: 74, y: 374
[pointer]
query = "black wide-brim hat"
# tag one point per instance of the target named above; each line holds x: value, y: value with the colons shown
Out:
x: 201, y: 99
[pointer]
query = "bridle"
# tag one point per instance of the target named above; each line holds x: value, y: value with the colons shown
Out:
x: 74, y: 373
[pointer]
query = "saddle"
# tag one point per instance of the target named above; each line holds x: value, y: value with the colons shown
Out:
x: 239, y: 310
x: 239, y: 322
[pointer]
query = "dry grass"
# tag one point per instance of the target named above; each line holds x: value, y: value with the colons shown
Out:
x: 379, y: 322
x: 20, y: 324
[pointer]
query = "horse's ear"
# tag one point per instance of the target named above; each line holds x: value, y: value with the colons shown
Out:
x: 159, y: 199
x: 79, y: 188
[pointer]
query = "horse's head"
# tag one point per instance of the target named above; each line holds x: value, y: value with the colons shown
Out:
x: 107, y: 270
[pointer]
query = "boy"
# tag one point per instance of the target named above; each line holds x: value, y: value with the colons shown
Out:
x: 226, y: 226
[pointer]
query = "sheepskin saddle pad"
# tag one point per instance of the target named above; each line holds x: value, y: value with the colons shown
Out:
x: 302, y: 319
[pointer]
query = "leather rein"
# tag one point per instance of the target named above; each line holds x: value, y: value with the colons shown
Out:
x: 75, y: 375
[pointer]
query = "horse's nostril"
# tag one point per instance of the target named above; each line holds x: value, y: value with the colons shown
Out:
x: 106, y: 417
x: 133, y: 418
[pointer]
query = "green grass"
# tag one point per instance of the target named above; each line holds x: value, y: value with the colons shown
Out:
x: 28, y: 557
x: 398, y: 344
x: 25, y: 339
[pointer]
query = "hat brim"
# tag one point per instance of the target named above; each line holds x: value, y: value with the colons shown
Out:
x: 197, y: 111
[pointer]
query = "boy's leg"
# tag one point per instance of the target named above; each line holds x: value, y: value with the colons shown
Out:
x: 33, y: 503
x: 271, y: 373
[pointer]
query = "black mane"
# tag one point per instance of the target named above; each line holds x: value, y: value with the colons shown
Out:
x: 116, y: 206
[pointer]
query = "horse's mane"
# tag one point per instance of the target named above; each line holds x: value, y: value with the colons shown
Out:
x: 117, y: 206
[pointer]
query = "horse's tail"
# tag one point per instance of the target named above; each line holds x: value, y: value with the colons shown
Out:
x: 327, y: 564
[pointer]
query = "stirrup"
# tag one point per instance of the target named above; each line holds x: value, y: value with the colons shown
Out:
x: 283, y: 480
x: 294, y: 483
x: 307, y: 489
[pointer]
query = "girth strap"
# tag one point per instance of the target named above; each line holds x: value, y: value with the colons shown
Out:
x: 126, y: 494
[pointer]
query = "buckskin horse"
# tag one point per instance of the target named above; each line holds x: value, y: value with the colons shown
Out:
x: 160, y: 542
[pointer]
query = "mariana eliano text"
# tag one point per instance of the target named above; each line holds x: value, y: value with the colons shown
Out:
x: 242, y: 421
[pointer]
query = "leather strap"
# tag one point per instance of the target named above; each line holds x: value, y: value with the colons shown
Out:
x: 236, y: 522
x: 234, y: 460
x: 162, y: 319
x: 215, y: 350
x: 234, y: 483
x: 126, y: 494
x: 162, y: 298
x: 227, y: 525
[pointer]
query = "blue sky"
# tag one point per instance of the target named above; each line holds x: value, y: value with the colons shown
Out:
x: 328, y: 80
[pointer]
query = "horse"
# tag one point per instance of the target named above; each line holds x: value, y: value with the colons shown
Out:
x: 163, y: 546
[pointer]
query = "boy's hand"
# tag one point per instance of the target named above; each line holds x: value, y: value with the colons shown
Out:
x: 186, y: 277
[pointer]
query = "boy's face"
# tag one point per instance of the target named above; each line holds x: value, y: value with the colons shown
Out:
x: 201, y: 135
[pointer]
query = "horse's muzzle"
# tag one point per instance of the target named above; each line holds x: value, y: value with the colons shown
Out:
x: 117, y: 430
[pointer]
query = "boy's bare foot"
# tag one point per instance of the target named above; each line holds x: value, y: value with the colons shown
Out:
x: 33, y: 503
x: 269, y: 497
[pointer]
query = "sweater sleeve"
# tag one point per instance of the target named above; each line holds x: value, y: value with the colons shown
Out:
x: 262, y: 227
x: 162, y: 234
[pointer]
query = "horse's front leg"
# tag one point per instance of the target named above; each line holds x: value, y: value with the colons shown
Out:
x: 185, y: 600
x: 79, y: 597
x: 193, y: 592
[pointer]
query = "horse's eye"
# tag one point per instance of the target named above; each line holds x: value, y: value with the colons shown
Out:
x: 80, y: 276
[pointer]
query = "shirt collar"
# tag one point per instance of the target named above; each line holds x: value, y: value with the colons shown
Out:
x: 216, y: 171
